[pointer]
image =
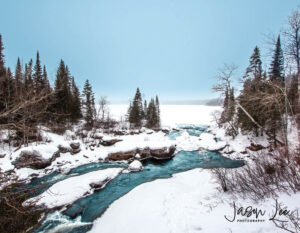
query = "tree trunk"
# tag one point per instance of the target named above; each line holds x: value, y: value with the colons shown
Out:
x: 298, y: 107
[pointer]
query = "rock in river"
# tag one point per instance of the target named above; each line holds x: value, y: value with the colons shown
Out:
x: 135, y: 166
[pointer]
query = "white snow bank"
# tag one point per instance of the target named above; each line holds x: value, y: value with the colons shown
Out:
x: 206, y: 141
x: 71, y: 189
x: 188, y: 202
x: 135, y: 166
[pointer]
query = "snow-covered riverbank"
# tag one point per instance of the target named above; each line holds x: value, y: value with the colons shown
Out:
x: 188, y: 202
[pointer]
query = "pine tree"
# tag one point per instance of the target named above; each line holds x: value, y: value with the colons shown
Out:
x: 89, y: 104
x: 276, y: 72
x: 2, y: 63
x: 145, y: 109
x: 76, y: 102
x: 254, y: 70
x: 45, y: 82
x: 37, y: 75
x: 2, y: 77
x: 10, y: 91
x: 253, y: 88
x: 152, y: 118
x: 28, y: 82
x: 157, y: 110
x: 19, y: 78
x: 136, y: 112
x: 276, y: 105
x: 62, y: 90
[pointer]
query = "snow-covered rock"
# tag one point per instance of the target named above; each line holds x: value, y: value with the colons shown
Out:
x: 71, y: 189
x: 135, y: 166
x: 31, y: 159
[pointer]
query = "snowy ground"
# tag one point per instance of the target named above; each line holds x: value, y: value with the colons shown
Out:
x: 190, y: 201
x: 187, y: 202
x: 171, y: 116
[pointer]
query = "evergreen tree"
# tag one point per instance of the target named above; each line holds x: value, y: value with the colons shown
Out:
x: 152, y: 118
x: 19, y: 77
x: 2, y: 63
x: 145, y: 109
x: 277, y: 103
x: 45, y: 82
x: 251, y: 96
x: 2, y: 77
x: 76, y: 102
x: 89, y: 104
x: 276, y: 72
x: 129, y: 112
x: 62, y: 90
x: 28, y: 82
x: 9, y: 88
x: 157, y: 110
x: 37, y: 75
x: 136, y: 112
x: 254, y: 70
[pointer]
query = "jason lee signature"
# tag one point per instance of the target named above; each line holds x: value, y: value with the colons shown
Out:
x: 251, y: 212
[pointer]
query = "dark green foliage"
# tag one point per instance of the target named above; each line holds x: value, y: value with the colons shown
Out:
x: 62, y: 89
x: 19, y: 77
x: 63, y: 96
x: 2, y: 63
x: 88, y: 104
x: 276, y: 72
x: 9, y: 93
x: 263, y: 99
x: 76, y: 102
x: 157, y: 110
x: 45, y: 83
x: 251, y: 97
x: 2, y: 76
x: 10, y: 90
x: 136, y: 110
x: 28, y: 82
x: 145, y: 109
x: 152, y: 117
x: 254, y: 70
x: 37, y: 75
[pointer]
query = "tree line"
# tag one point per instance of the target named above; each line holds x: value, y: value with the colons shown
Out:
x: 268, y: 97
x: 142, y: 114
x: 27, y: 98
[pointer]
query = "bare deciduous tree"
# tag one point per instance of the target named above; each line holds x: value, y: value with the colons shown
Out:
x: 292, y: 36
x: 224, y: 78
x: 103, y: 109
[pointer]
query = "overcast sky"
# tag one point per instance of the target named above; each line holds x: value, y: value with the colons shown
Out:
x: 172, y: 48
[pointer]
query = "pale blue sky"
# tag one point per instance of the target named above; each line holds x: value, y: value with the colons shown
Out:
x: 167, y: 47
